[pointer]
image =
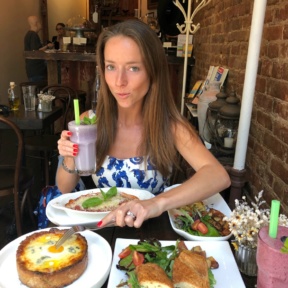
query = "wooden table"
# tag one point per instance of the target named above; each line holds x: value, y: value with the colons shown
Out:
x: 33, y: 120
x: 159, y: 228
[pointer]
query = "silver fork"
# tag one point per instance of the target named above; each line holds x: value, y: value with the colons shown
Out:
x: 75, y: 229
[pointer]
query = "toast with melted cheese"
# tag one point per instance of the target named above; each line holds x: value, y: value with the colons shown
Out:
x: 190, y: 270
x: 150, y: 275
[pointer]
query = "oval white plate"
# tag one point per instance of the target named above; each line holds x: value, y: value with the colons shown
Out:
x: 95, y: 275
x: 217, y: 202
x: 59, y: 203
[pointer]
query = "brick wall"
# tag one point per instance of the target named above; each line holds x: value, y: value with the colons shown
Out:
x: 223, y: 40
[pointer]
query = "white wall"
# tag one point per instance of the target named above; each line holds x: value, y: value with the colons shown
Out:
x: 13, y: 27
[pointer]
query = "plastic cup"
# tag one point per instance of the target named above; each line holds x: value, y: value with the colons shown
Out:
x: 272, y: 263
x: 85, y: 137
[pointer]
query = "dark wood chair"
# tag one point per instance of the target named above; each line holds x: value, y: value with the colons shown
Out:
x: 15, y: 180
x: 44, y: 146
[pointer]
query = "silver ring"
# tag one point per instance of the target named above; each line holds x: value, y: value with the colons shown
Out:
x: 131, y: 214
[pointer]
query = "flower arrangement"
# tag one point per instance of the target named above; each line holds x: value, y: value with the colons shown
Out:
x: 246, y: 221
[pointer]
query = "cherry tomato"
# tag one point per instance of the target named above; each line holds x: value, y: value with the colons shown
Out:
x: 124, y: 253
x: 195, y: 224
x: 138, y: 258
x: 202, y: 228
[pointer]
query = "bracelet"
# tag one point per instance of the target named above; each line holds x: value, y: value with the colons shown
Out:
x: 74, y: 171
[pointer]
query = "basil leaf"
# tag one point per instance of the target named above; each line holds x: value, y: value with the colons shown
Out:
x: 109, y: 194
x: 92, y: 202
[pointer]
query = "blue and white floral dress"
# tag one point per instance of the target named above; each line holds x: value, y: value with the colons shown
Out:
x: 130, y: 173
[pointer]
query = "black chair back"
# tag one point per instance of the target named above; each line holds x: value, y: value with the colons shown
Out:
x: 15, y: 180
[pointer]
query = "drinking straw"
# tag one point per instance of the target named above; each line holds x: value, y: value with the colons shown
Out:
x: 274, y: 215
x: 76, y: 111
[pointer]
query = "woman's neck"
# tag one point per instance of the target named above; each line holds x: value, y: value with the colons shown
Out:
x: 129, y: 117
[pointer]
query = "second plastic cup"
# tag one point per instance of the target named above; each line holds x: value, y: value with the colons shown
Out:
x: 85, y: 137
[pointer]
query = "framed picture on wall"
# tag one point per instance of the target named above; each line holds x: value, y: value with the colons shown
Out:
x: 152, y: 4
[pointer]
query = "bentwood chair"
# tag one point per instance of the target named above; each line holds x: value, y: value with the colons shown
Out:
x: 44, y: 145
x: 15, y: 180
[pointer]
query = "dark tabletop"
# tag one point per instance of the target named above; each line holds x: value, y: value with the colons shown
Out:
x: 33, y: 120
x: 159, y: 228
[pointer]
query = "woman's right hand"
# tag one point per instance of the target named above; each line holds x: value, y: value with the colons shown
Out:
x: 67, y: 148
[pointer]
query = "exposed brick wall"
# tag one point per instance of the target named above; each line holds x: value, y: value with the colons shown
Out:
x: 223, y: 40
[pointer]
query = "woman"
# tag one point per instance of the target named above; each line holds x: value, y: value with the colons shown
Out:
x: 58, y: 40
x: 138, y: 120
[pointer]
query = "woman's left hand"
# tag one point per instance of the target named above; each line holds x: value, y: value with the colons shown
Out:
x: 132, y: 213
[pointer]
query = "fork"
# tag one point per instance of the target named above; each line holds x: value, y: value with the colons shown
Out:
x: 75, y: 229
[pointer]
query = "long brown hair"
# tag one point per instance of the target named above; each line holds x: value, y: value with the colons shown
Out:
x: 159, y: 111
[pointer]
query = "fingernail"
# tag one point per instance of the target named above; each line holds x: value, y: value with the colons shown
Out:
x: 99, y: 224
x: 74, y: 154
x: 75, y: 150
x: 69, y: 133
x: 75, y: 146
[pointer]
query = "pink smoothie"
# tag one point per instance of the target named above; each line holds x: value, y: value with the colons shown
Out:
x: 85, y: 137
x: 272, y: 263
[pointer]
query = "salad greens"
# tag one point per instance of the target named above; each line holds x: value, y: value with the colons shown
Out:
x: 96, y: 201
x: 184, y: 221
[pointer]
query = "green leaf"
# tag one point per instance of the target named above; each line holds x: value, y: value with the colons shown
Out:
x: 212, y: 231
x: 127, y: 263
x: 284, y: 248
x: 89, y: 121
x: 92, y: 202
x: 133, y: 281
x: 212, y: 279
x: 144, y: 247
x: 111, y: 193
x: 96, y: 201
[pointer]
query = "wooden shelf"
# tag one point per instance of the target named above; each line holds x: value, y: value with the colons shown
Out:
x: 117, y: 17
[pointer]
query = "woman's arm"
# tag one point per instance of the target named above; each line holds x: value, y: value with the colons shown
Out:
x: 66, y: 178
x: 209, y: 179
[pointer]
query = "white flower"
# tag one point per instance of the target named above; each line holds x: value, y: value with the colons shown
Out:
x: 246, y: 221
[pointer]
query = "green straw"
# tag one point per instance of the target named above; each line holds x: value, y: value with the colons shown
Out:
x: 76, y: 112
x: 274, y: 216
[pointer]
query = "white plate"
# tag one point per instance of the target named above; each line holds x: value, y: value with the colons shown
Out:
x: 84, y: 216
x: 95, y: 275
x: 227, y: 275
x: 217, y: 202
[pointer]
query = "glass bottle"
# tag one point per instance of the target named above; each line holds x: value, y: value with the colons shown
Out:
x: 96, y: 88
x: 205, y: 98
x: 13, y: 99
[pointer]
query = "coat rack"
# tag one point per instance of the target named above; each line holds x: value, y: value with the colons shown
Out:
x: 189, y: 28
